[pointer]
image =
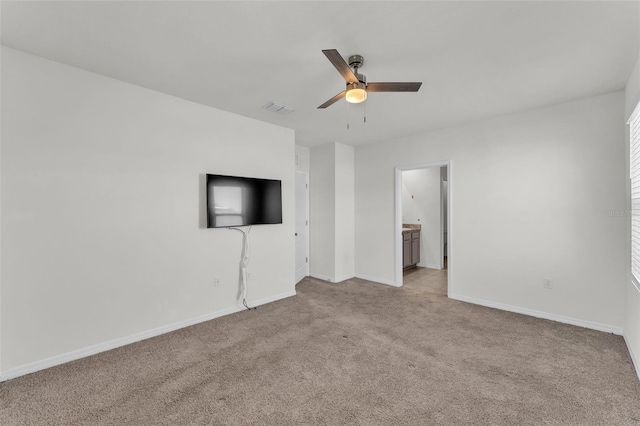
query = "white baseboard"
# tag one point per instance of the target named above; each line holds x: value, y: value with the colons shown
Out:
x: 538, y: 314
x: 331, y: 279
x: 344, y: 278
x: 431, y: 265
x: 321, y: 277
x: 378, y: 280
x: 634, y: 358
x: 347, y: 277
x: 32, y: 367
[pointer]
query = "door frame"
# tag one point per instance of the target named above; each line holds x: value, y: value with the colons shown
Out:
x: 306, y: 201
x: 442, y: 218
x: 398, y: 220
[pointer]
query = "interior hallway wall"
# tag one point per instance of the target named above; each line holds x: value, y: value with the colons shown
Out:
x: 322, y: 207
x: 303, y: 158
x: 332, y: 214
x: 344, y: 213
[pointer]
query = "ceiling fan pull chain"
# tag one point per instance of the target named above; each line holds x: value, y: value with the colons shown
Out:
x: 365, y: 113
x: 348, y: 110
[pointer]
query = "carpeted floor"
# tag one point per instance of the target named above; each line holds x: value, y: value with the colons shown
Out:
x: 348, y: 353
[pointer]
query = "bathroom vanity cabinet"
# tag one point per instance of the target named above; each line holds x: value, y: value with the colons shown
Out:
x: 410, y: 248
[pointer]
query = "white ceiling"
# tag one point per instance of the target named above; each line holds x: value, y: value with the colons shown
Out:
x: 475, y: 59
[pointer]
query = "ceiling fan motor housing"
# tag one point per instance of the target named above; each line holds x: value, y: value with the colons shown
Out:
x: 361, y: 78
x: 356, y: 61
x: 359, y: 85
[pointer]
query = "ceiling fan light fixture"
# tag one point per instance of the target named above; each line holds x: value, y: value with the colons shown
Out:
x: 356, y: 93
x: 357, y: 85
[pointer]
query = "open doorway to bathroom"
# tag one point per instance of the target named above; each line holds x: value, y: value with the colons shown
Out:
x: 423, y: 251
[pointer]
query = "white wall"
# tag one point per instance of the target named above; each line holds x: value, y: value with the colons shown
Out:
x: 322, y: 202
x: 632, y: 308
x: 303, y: 157
x: 632, y: 90
x: 103, y: 215
x: 528, y: 195
x: 345, y: 212
x: 0, y: 218
x: 412, y: 186
x: 421, y: 205
x: 332, y: 211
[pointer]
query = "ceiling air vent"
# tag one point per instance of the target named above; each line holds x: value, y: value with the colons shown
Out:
x: 278, y: 108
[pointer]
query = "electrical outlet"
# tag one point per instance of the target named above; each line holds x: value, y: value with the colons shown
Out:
x: 546, y: 283
x: 216, y: 281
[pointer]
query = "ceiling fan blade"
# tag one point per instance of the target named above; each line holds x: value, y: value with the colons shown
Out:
x: 342, y: 67
x: 333, y: 100
x: 393, y: 87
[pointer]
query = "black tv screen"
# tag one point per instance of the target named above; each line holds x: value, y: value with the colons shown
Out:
x: 242, y: 201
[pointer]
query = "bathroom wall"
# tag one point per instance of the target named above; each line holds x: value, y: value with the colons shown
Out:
x: 421, y: 204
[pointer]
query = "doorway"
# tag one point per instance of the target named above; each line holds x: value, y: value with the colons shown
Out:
x: 423, y: 222
x: 301, y: 227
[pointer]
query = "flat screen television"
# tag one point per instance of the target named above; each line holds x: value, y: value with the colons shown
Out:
x: 242, y: 201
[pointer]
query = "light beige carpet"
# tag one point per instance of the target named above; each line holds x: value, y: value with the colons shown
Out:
x: 348, y: 353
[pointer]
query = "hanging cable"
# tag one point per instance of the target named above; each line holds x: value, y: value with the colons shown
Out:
x: 244, y: 264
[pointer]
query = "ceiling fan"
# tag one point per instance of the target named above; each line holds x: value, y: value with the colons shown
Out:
x: 357, y: 86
